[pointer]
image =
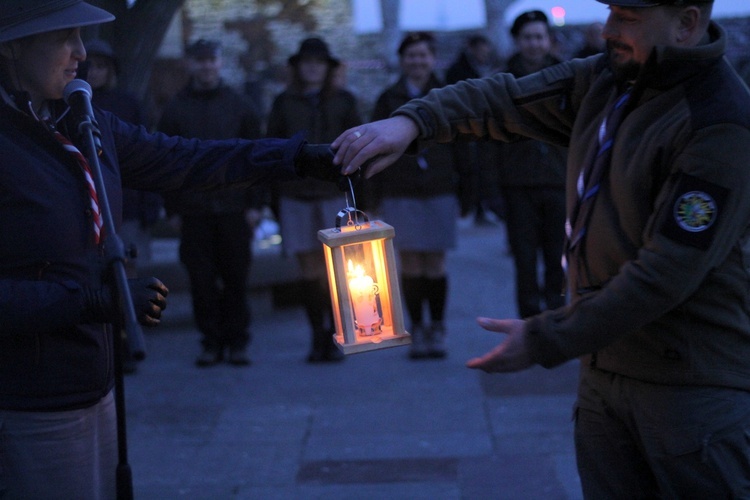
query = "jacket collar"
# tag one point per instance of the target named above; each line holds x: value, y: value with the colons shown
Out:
x: 667, y: 65
x: 402, y: 88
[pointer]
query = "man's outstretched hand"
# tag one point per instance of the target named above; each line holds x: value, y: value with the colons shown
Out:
x: 509, y: 356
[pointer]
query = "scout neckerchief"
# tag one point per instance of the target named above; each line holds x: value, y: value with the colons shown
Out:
x: 85, y: 168
x: 590, y: 179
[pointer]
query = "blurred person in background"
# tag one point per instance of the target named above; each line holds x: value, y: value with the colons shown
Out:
x: 215, y: 227
x: 478, y: 191
x: 417, y: 197
x: 532, y: 178
x: 315, y: 106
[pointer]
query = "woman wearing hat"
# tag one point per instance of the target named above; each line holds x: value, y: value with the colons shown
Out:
x: 314, y: 105
x: 57, y: 417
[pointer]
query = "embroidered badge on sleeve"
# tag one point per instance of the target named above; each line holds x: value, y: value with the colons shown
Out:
x: 696, y: 208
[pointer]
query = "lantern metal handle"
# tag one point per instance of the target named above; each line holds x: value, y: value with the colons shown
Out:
x: 351, y: 210
x: 347, y: 213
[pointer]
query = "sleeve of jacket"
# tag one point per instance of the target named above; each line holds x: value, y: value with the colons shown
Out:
x: 157, y: 162
x: 539, y: 106
x: 668, y: 270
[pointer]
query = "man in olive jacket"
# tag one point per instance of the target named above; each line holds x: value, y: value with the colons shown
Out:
x: 658, y: 243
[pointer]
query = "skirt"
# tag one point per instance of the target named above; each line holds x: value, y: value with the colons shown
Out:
x: 422, y: 224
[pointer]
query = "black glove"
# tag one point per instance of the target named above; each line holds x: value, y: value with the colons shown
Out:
x: 316, y: 160
x: 149, y: 300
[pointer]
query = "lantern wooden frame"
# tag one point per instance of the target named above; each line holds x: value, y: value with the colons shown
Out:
x: 372, y: 243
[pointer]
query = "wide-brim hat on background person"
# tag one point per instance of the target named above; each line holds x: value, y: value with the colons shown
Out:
x: 314, y: 48
x: 21, y: 18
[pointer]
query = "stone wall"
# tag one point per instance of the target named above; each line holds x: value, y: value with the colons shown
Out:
x: 257, y: 42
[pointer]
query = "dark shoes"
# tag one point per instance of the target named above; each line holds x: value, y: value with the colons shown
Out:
x: 436, y: 341
x: 428, y: 343
x: 238, y: 357
x: 323, y: 348
x: 418, y: 348
x: 210, y: 357
x: 327, y: 355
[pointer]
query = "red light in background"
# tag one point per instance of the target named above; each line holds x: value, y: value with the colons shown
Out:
x: 558, y: 15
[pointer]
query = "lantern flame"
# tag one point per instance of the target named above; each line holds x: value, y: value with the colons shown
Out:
x: 355, y: 272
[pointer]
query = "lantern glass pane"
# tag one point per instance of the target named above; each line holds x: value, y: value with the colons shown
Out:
x: 364, y: 285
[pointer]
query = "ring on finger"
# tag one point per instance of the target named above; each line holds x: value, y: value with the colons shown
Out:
x: 357, y: 134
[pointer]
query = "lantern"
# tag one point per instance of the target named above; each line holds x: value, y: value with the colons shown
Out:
x: 364, y: 285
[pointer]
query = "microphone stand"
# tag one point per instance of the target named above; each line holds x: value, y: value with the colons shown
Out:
x: 114, y: 252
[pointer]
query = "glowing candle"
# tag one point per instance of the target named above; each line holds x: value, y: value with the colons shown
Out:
x: 362, y: 290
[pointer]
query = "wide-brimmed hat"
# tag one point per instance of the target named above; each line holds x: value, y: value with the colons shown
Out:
x: 651, y: 3
x: 21, y: 18
x: 314, y: 48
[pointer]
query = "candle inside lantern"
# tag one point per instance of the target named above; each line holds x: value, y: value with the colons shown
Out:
x: 362, y: 290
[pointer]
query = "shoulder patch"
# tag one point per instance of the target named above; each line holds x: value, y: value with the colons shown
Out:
x: 695, y: 209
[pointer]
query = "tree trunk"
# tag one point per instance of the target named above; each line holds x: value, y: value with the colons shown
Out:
x: 496, y: 26
x: 391, y: 34
x: 140, y: 29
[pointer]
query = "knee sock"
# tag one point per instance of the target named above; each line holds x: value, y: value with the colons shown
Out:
x: 413, y: 287
x: 437, y: 296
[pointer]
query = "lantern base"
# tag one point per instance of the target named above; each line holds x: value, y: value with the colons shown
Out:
x: 371, y: 342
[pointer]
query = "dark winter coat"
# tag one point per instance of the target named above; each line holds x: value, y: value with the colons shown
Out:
x: 52, y: 356
x: 428, y: 173
x: 321, y: 119
x: 219, y: 113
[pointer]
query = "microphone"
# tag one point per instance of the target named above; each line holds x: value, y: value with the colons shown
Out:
x: 77, y: 94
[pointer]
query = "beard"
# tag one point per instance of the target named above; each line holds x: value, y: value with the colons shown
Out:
x: 625, y: 71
